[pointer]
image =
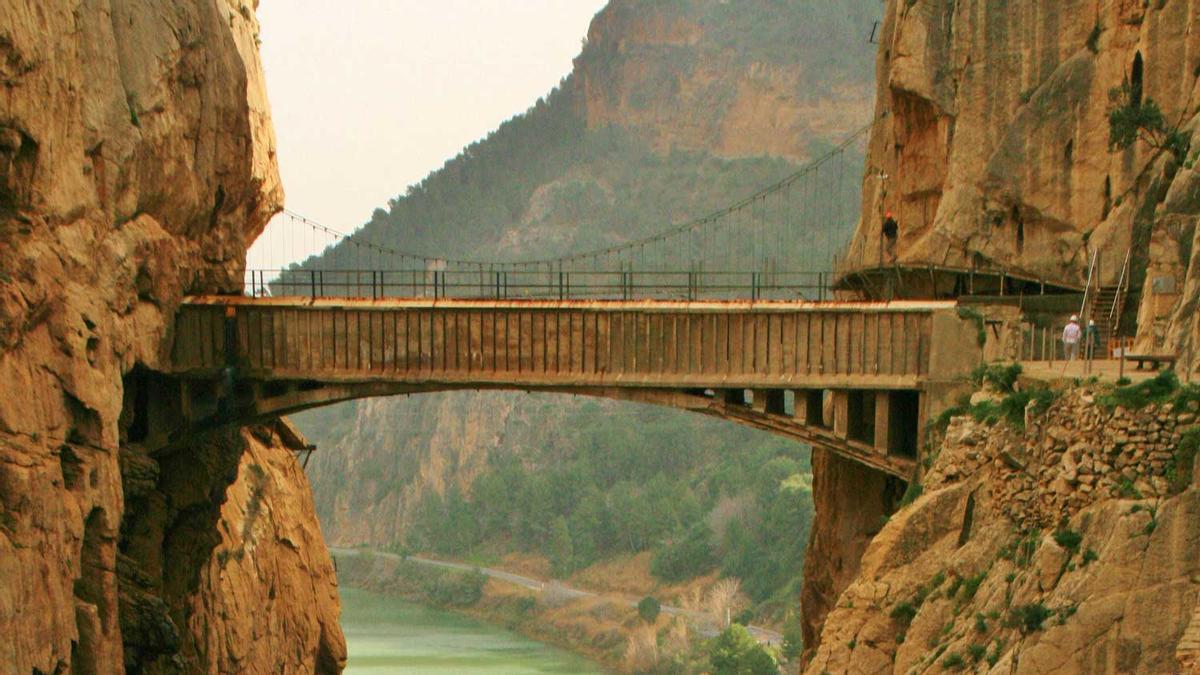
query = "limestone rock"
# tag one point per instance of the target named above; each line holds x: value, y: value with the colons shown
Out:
x: 137, y: 162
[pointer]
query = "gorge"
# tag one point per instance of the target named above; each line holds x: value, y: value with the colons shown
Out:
x: 1050, y: 525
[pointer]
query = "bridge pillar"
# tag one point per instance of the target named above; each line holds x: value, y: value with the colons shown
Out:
x: 841, y: 413
x: 883, y: 408
x: 810, y: 407
x: 770, y: 401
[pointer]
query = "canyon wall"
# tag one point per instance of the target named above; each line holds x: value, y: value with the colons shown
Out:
x: 137, y: 162
x: 1069, y: 545
x: 991, y: 148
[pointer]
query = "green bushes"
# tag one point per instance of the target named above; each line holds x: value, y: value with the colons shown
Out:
x: 1068, y: 539
x: 649, y: 608
x: 736, y: 652
x: 1029, y: 618
x: 904, y: 612
x: 689, y: 557
x: 1002, y: 377
x: 953, y: 661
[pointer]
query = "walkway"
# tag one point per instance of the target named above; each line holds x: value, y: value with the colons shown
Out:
x: 856, y: 378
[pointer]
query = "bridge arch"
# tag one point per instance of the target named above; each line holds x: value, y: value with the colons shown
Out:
x: 243, y: 360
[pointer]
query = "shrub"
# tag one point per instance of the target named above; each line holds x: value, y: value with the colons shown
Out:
x: 980, y: 623
x: 911, y: 493
x: 1068, y: 539
x: 1137, y: 396
x: 1090, y: 556
x: 735, y: 652
x: 976, y: 651
x: 953, y: 661
x: 793, y: 639
x: 972, y: 314
x: 648, y: 608
x: 1002, y: 377
x: 904, y: 612
x: 971, y: 585
x: 1132, y: 120
x: 1093, y: 39
x: 994, y: 656
x: 1029, y: 618
x: 689, y: 557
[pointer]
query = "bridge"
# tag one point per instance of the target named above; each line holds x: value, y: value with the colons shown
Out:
x: 731, y: 315
x: 856, y: 378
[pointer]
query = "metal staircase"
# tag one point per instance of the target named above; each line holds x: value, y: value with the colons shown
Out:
x: 1108, y: 303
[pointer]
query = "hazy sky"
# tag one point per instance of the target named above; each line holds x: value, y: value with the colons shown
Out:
x: 369, y: 96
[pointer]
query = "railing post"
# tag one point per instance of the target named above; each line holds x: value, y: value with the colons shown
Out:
x: 321, y: 278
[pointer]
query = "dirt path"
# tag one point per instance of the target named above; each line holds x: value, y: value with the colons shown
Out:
x: 703, y: 620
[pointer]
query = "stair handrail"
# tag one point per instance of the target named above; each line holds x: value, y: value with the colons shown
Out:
x: 1088, y: 288
x: 1121, y: 283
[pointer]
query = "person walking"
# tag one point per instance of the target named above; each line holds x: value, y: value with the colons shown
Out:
x: 1070, y: 337
x: 1091, y: 340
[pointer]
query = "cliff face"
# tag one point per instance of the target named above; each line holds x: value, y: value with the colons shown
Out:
x: 991, y: 147
x: 676, y: 75
x: 136, y: 164
x: 1071, y: 547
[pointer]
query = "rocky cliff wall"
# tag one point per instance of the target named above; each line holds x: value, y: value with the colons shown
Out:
x: 136, y: 164
x: 991, y: 147
x: 1070, y: 546
x: 685, y: 76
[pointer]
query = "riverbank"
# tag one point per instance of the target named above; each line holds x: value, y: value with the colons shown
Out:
x: 387, y: 635
x: 604, y: 625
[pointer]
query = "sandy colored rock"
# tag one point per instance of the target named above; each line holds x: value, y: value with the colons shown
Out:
x: 137, y: 161
x: 991, y: 150
x: 1122, y: 600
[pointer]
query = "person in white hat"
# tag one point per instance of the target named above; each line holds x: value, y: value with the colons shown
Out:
x: 1070, y: 337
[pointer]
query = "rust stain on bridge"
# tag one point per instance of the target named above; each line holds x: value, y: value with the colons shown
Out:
x: 880, y: 362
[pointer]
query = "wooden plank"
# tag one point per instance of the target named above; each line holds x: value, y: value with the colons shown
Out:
x: 803, y: 344
x: 737, y: 345
x: 787, y: 344
x: 593, y: 343
x: 460, y: 331
x: 522, y: 335
x: 762, y: 343
x: 545, y: 334
x: 774, y: 344
x: 387, y: 356
x: 476, y: 340
x: 578, y: 349
x: 487, y: 341
x: 606, y: 336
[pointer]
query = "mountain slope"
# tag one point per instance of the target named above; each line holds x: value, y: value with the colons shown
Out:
x: 672, y: 110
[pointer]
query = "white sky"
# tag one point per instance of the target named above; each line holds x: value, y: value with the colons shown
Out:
x: 369, y: 96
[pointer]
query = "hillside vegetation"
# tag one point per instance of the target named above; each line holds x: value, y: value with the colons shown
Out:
x: 673, y: 109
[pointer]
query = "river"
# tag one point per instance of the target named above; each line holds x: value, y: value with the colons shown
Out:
x: 385, y: 635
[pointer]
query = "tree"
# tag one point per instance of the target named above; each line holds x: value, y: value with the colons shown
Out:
x: 688, y: 557
x: 735, y: 652
x: 648, y: 608
x: 558, y: 547
x: 793, y: 638
x: 1133, y: 120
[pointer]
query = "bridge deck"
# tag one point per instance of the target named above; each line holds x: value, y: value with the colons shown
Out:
x: 544, y: 343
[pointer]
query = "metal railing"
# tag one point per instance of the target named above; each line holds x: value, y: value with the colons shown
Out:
x: 540, y: 284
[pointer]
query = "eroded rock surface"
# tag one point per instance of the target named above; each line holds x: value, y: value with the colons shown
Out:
x: 1013, y: 561
x: 136, y: 164
x: 991, y: 149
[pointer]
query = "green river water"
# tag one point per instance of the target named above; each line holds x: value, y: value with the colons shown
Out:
x: 384, y: 635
